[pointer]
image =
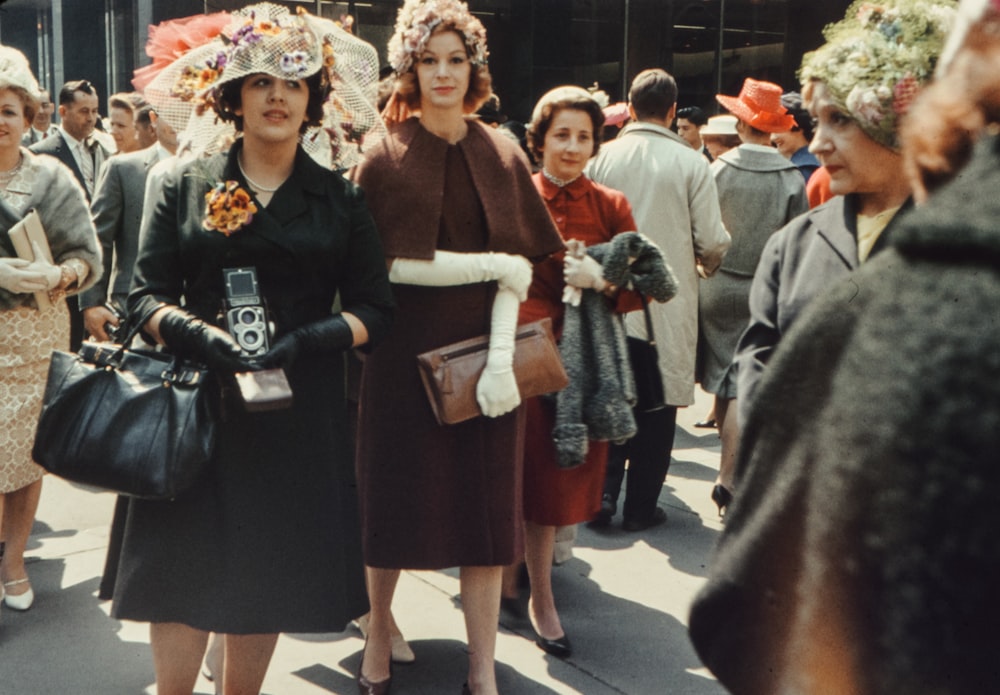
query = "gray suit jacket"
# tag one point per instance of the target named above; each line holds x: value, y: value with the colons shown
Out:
x: 117, y: 212
x: 31, y: 136
x: 57, y: 146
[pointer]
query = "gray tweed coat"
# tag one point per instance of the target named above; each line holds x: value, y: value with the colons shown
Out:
x: 862, y: 544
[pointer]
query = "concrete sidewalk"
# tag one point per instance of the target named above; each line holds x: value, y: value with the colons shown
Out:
x: 623, y: 600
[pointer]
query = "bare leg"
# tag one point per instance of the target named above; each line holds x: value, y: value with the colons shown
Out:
x: 480, y: 588
x: 18, y: 517
x: 177, y: 653
x: 538, y: 544
x: 378, y: 644
x: 729, y: 431
x: 246, y: 662
x: 509, y: 584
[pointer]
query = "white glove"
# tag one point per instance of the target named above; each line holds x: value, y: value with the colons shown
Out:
x: 585, y: 273
x: 496, y: 391
x: 449, y: 268
x: 52, y: 273
x: 18, y: 277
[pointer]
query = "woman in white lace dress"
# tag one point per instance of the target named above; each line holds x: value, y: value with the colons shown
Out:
x: 28, y: 333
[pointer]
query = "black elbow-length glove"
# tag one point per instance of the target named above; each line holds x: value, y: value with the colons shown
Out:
x: 331, y: 334
x: 189, y: 336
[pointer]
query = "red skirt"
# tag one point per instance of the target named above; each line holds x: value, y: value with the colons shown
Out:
x: 555, y: 496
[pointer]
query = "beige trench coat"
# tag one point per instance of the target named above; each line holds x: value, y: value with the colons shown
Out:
x: 675, y: 203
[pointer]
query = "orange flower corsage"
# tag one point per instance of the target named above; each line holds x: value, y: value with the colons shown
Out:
x: 228, y: 208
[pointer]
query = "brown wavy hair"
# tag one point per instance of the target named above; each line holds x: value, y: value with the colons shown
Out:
x: 945, y: 121
x: 540, y: 124
x: 480, y: 83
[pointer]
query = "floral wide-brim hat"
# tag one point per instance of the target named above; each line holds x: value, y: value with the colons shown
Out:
x: 876, y: 59
x: 268, y: 38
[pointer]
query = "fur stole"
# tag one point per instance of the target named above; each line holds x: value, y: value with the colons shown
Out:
x: 597, y: 403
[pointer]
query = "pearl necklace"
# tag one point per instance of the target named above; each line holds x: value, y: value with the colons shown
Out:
x: 253, y: 184
x: 558, y: 181
x: 8, y: 176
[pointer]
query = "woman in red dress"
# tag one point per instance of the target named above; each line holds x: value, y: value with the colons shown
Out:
x: 562, y: 136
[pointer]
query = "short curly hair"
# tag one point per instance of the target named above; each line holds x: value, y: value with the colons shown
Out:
x: 480, y: 84
x: 554, y: 101
x: 227, y: 100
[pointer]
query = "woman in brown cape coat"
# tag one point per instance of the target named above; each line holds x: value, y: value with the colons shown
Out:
x: 458, y: 215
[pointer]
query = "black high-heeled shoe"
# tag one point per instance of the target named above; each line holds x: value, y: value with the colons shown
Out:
x: 367, y: 687
x: 722, y: 498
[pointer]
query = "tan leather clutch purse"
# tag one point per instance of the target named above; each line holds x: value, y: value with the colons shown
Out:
x: 450, y: 373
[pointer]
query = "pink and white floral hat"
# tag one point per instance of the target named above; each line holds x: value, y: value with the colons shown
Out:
x: 267, y: 38
x: 417, y: 20
x: 876, y: 59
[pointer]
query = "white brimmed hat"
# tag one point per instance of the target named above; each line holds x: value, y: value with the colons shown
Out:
x: 267, y: 38
x: 719, y: 125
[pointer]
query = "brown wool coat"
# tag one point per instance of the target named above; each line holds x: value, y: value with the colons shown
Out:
x: 436, y: 496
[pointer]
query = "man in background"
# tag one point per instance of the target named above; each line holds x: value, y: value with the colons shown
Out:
x: 690, y: 121
x: 73, y: 144
x: 675, y: 203
x: 117, y: 210
x: 42, y: 126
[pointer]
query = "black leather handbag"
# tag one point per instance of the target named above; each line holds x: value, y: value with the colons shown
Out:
x: 133, y: 421
x: 643, y: 356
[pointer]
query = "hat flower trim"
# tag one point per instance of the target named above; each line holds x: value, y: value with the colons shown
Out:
x: 877, y: 58
x: 418, y: 20
x: 196, y: 82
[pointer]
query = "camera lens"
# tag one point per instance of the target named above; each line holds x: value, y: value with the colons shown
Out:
x: 248, y: 316
x: 250, y: 339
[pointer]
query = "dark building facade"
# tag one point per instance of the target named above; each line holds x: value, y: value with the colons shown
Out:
x: 710, y: 46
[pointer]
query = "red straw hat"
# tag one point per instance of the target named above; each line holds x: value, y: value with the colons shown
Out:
x: 759, y: 105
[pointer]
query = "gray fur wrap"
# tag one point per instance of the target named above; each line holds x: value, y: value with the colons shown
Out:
x: 64, y: 214
x: 597, y: 403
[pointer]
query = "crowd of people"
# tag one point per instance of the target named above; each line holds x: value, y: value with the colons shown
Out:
x: 822, y: 260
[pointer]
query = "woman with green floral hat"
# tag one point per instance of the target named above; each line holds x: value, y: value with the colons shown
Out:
x: 267, y: 541
x: 857, y: 86
x: 873, y: 563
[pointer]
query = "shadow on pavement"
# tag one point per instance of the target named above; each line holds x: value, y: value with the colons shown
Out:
x: 441, y: 667
x: 35, y: 653
x: 633, y: 647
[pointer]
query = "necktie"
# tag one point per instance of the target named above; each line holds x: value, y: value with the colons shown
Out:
x: 87, y: 166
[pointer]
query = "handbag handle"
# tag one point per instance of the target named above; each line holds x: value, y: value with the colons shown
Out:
x: 133, y: 331
x: 650, y: 336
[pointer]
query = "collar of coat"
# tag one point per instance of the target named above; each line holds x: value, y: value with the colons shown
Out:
x: 836, y: 221
x: 289, y: 202
x: 642, y: 127
x: 576, y: 189
x: 752, y: 158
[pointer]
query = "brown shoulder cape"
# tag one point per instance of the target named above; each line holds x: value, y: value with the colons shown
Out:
x: 403, y: 180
